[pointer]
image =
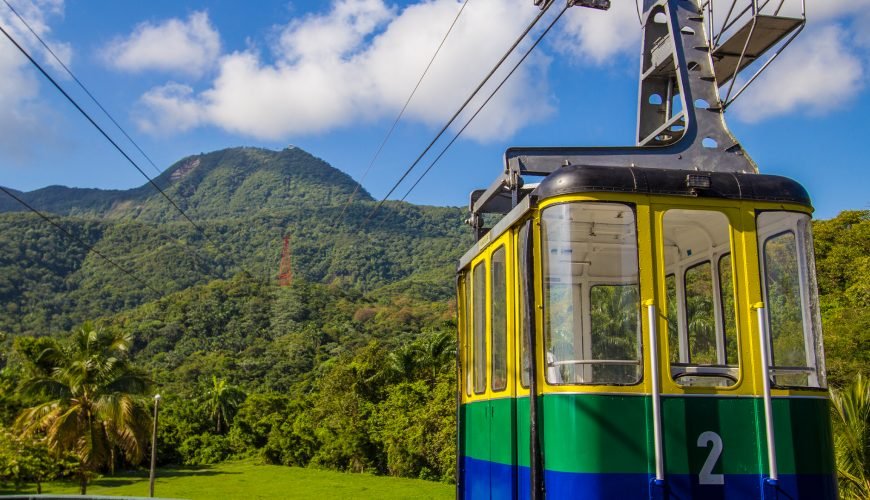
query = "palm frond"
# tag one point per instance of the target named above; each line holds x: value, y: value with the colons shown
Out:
x: 852, y: 437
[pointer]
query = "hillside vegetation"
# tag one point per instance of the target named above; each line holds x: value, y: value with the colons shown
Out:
x: 246, y: 200
x: 349, y: 368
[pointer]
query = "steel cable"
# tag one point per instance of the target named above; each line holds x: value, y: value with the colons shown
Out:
x: 491, y: 95
x: 489, y: 75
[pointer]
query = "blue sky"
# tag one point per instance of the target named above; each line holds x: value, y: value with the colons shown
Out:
x: 330, y: 77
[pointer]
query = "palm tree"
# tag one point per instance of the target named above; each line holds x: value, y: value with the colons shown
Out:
x: 404, y: 362
x: 91, y: 400
x: 437, y: 352
x: 852, y: 438
x: 223, y: 402
x: 615, y: 312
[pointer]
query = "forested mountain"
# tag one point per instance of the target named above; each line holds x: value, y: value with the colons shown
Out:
x: 223, y: 183
x: 330, y: 369
x: 247, y: 200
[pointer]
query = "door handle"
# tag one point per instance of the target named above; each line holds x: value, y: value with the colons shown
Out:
x: 656, y: 393
x: 765, y: 380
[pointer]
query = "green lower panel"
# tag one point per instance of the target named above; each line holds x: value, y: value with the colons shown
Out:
x: 490, y: 429
x: 803, y: 429
x: 502, y: 445
x: 523, y: 432
x: 595, y: 433
x: 734, y: 420
x: 801, y: 426
x: 589, y: 433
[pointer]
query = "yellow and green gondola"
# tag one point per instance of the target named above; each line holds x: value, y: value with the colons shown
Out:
x: 643, y: 322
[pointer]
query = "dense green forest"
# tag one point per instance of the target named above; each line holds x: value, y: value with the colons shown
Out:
x: 350, y: 368
x: 328, y: 371
x: 328, y: 376
x: 246, y: 200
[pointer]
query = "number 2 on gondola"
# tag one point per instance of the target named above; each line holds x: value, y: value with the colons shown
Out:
x: 706, y: 476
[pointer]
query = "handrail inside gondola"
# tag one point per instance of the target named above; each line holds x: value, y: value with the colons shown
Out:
x: 680, y: 370
x: 726, y: 375
x: 594, y: 362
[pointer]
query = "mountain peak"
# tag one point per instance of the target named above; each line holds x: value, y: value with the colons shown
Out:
x: 227, y: 182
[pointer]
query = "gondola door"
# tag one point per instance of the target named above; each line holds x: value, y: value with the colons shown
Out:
x: 489, y: 415
x: 476, y: 414
x: 502, y: 403
x: 709, y: 405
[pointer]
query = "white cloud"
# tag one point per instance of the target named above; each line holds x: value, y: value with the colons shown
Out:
x: 826, y: 9
x: 600, y: 36
x: 358, y: 62
x: 172, y: 106
x: 22, y: 115
x: 190, y: 47
x: 595, y: 36
x: 817, y: 73
x: 334, y: 35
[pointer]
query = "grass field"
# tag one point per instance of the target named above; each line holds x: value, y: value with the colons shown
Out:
x: 249, y: 481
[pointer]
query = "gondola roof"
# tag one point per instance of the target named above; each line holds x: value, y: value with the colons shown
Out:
x: 632, y: 180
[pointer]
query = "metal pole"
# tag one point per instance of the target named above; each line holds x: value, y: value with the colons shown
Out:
x: 768, y: 406
x: 154, y: 445
x: 536, y: 459
x: 656, y: 393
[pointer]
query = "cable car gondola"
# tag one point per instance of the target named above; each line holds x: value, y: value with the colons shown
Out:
x: 643, y: 322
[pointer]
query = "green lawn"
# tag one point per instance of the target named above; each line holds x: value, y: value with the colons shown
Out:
x: 249, y: 481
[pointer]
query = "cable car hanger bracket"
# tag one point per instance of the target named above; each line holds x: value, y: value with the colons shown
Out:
x: 680, y: 120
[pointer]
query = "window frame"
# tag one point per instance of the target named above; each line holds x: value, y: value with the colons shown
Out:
x: 492, y: 316
x: 678, y: 308
x: 810, y: 319
x: 468, y: 334
x: 713, y: 299
x: 481, y: 388
x: 584, y: 293
x: 523, y: 371
x: 722, y: 320
x: 685, y: 367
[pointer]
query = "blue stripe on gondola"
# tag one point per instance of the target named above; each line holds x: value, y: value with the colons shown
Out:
x: 513, y: 482
x: 483, y: 478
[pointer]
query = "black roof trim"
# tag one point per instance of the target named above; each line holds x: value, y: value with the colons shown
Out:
x: 725, y: 185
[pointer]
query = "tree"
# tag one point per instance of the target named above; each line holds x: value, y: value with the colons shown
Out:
x: 615, y: 316
x: 852, y: 438
x: 842, y: 247
x: 437, y: 352
x: 27, y: 459
x: 91, y: 400
x: 223, y: 402
x: 403, y: 362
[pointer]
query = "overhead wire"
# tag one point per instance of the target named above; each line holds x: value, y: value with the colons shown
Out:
x: 489, y: 75
x: 401, y: 113
x: 81, y: 241
x: 82, y: 85
x: 132, y: 162
x: 483, y: 105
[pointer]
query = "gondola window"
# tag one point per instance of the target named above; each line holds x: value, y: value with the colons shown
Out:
x: 729, y: 314
x: 790, y: 298
x: 702, y: 334
x: 499, y: 320
x: 479, y: 315
x: 673, y: 331
x: 469, y: 381
x: 521, y: 311
x: 591, y: 302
